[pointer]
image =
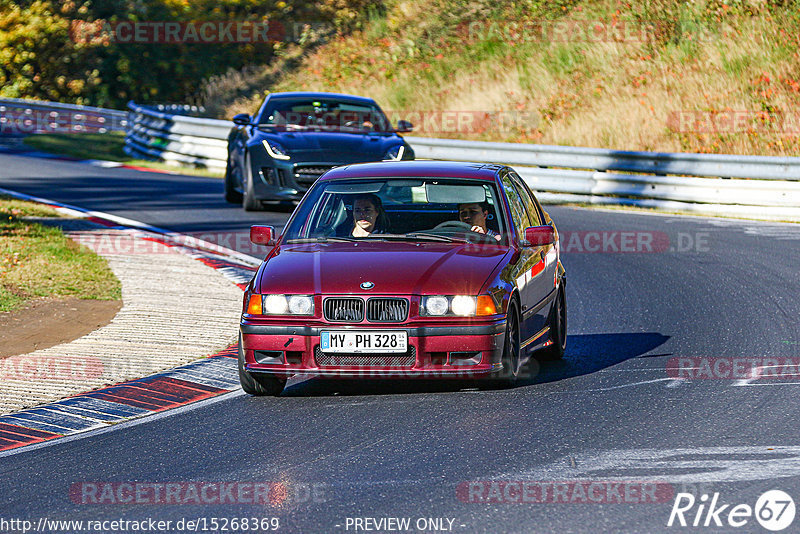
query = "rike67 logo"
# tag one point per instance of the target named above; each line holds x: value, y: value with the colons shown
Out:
x: 774, y: 510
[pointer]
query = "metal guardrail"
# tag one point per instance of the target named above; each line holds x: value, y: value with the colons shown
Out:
x: 601, y: 159
x: 175, y: 138
x: 754, y: 186
x: 19, y: 117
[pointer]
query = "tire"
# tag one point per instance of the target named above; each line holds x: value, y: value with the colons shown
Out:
x: 558, y: 329
x: 231, y: 194
x: 508, y: 375
x: 258, y: 385
x: 249, y: 200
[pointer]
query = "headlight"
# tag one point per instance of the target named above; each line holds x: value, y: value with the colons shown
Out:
x: 436, y: 305
x: 287, y: 305
x: 395, y: 153
x: 301, y: 305
x: 458, y: 305
x: 275, y: 150
x: 463, y: 305
x: 275, y: 304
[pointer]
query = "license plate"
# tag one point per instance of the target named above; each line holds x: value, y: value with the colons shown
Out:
x: 392, y: 341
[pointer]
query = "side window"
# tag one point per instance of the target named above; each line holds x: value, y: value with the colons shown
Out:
x: 517, y: 208
x: 527, y: 199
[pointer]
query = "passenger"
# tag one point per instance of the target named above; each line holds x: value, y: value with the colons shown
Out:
x: 475, y: 215
x: 369, y: 217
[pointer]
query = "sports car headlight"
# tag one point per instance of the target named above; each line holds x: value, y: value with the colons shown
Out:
x: 395, y: 153
x: 275, y: 150
x: 288, y: 305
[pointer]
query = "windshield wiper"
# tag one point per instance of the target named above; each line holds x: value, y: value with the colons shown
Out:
x: 416, y: 236
x: 321, y: 239
x: 437, y: 237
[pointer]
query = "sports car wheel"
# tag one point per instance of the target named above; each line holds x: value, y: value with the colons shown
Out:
x: 231, y: 194
x: 257, y: 384
x: 558, y: 328
x: 249, y: 200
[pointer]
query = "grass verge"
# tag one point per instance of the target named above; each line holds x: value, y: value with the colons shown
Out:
x: 107, y: 146
x: 40, y: 261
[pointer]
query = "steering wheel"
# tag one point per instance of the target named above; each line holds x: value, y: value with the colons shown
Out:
x: 453, y: 225
x: 459, y: 226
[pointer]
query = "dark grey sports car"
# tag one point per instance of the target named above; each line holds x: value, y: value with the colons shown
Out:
x: 296, y: 137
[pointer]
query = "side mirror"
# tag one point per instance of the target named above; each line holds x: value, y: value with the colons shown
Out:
x: 404, y: 126
x: 262, y: 235
x: 242, y: 119
x: 538, y: 236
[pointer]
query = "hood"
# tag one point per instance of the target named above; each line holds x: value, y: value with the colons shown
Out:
x: 322, y: 146
x: 395, y: 268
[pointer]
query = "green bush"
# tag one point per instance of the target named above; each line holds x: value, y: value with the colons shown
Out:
x: 49, y: 51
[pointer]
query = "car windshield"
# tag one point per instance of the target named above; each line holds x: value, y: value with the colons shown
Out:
x: 404, y: 209
x: 324, y: 115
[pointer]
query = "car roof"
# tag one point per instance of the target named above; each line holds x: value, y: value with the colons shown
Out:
x: 417, y: 168
x: 338, y: 96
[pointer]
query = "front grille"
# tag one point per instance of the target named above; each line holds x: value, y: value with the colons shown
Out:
x: 387, y: 310
x: 305, y: 175
x: 344, y: 310
x: 347, y: 359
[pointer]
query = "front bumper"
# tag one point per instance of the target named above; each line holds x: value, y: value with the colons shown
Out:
x: 279, y: 180
x: 438, y: 352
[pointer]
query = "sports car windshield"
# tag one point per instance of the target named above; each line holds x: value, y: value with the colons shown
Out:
x: 324, y: 115
x: 404, y: 209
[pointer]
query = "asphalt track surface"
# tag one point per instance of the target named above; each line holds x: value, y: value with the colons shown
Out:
x: 609, y: 412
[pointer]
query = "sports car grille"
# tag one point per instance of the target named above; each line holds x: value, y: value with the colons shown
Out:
x: 387, y: 310
x: 347, y: 359
x: 307, y: 175
x: 344, y: 310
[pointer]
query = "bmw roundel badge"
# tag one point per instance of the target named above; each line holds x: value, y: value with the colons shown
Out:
x: 367, y: 285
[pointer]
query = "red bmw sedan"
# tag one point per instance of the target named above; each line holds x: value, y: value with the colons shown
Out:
x: 417, y: 269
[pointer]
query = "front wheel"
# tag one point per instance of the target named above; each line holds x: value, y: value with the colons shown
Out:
x: 508, y: 375
x: 231, y: 194
x: 558, y: 328
x: 258, y: 385
x: 249, y: 200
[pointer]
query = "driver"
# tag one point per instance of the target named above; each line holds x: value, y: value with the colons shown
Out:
x: 369, y: 217
x: 475, y: 215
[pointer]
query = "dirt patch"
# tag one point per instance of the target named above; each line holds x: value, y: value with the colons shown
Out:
x: 49, y: 322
